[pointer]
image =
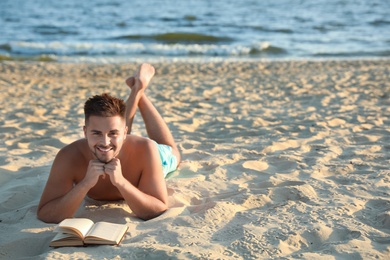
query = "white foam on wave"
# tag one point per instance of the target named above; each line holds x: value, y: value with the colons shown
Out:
x: 110, y: 48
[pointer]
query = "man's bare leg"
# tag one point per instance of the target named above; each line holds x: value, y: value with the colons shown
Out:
x: 137, y: 84
x: 155, y: 125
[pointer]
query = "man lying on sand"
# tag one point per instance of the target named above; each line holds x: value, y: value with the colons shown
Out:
x: 109, y: 163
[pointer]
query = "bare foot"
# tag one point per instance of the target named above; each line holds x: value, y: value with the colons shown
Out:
x: 145, y: 74
x: 142, y: 77
x: 130, y: 82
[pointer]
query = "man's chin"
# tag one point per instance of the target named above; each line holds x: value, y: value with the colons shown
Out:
x: 104, y: 159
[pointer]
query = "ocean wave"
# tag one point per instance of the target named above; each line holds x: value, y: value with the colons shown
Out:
x: 53, y: 30
x: 5, y: 47
x: 273, y: 30
x: 178, y: 37
x: 376, y: 53
x: 266, y: 47
x: 111, y: 48
x: 52, y: 51
x: 380, y: 22
x: 45, y: 58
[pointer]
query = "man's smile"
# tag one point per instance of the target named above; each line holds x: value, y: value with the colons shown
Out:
x: 104, y: 149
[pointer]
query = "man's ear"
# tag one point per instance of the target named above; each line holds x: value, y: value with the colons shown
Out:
x: 85, y: 131
x: 126, y: 128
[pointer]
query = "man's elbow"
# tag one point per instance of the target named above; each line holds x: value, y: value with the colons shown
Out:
x: 47, y: 218
x: 152, y: 215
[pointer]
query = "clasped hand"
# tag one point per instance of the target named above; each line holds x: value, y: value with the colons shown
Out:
x: 97, y: 168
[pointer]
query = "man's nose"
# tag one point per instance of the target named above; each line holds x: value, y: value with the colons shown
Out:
x: 106, y: 140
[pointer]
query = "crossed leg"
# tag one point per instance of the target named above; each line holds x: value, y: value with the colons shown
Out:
x: 155, y: 125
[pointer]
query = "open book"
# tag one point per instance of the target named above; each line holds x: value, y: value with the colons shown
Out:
x: 82, y: 231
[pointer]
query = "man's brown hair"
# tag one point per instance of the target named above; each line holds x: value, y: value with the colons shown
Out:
x: 104, y: 105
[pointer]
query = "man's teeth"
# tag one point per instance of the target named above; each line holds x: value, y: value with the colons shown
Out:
x: 104, y: 149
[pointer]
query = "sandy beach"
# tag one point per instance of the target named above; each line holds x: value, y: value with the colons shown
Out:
x: 281, y: 160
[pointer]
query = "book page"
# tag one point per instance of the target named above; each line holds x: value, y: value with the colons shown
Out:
x: 77, y: 226
x: 107, y: 233
x: 62, y: 239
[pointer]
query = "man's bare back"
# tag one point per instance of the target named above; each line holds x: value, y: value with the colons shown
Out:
x: 110, y: 164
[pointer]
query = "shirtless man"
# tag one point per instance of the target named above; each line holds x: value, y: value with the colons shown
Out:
x: 109, y: 163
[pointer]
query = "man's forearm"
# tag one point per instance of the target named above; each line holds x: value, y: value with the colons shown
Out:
x: 64, y: 207
x: 143, y: 205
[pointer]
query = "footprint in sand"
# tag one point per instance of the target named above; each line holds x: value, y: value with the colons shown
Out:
x: 256, y: 165
x: 271, y: 166
x: 376, y: 214
x: 316, y: 237
x: 304, y: 193
x: 281, y: 146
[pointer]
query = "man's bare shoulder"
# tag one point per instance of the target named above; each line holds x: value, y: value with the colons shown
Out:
x: 136, y: 147
x: 74, y: 151
x: 71, y: 161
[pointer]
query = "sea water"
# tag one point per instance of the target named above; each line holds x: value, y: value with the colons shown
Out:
x: 122, y: 30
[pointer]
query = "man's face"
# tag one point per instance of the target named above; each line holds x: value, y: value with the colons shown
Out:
x: 105, y: 136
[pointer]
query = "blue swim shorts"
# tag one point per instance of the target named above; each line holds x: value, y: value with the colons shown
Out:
x: 168, y: 160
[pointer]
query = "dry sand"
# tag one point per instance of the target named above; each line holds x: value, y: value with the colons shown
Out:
x: 280, y: 159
